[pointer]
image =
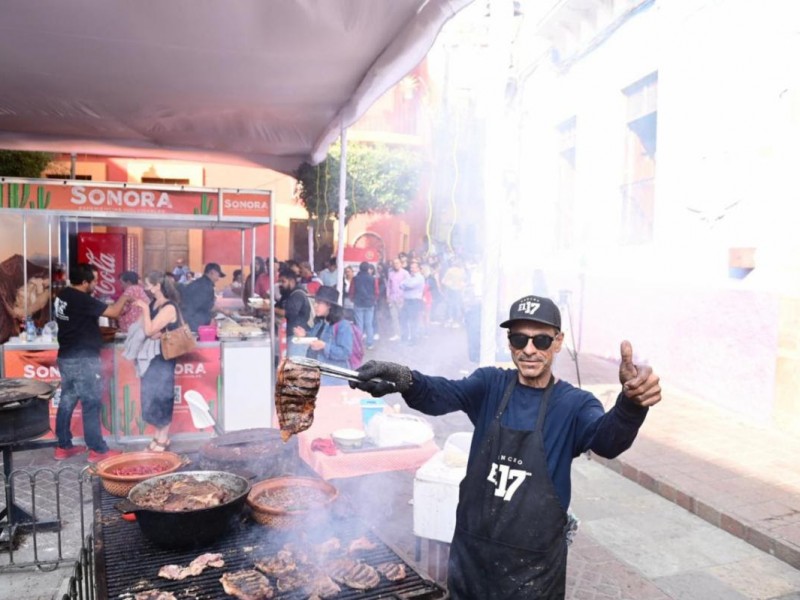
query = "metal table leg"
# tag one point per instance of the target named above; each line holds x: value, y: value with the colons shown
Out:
x: 14, y: 518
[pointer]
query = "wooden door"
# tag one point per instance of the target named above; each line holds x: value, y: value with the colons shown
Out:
x: 162, y: 247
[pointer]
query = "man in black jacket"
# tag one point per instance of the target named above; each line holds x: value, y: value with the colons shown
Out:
x: 198, y: 297
x: 295, y: 307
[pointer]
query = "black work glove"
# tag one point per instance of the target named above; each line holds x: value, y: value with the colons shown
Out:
x: 395, y: 378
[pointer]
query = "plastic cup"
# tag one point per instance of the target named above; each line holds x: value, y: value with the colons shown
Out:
x: 371, y: 407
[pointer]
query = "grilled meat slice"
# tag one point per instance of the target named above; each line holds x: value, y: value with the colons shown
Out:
x: 298, y: 552
x: 291, y: 581
x: 174, y: 572
x: 279, y: 565
x: 209, y: 559
x: 197, y: 566
x: 361, y: 577
x: 247, y: 585
x: 322, y: 586
x: 337, y: 569
x: 361, y: 544
x: 154, y: 595
x: 392, y: 571
x: 295, y: 397
x: 327, y: 548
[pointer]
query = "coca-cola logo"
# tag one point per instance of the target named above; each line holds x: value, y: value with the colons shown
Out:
x: 106, y: 265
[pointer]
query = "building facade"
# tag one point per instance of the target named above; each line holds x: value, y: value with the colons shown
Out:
x: 658, y: 142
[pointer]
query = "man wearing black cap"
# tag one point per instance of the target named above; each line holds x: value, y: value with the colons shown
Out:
x: 198, y: 297
x: 512, y: 512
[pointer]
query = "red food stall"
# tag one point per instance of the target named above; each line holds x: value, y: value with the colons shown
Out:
x: 46, y: 223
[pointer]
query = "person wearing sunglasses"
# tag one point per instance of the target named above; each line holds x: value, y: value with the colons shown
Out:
x: 511, y: 521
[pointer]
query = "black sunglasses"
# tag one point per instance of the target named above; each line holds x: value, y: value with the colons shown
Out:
x: 541, y: 341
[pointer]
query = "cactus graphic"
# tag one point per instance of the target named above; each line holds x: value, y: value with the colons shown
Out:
x: 140, y: 424
x: 26, y: 194
x: 42, y: 199
x: 206, y: 205
x: 126, y: 410
x: 13, y: 195
x: 105, y: 417
x: 2, y: 200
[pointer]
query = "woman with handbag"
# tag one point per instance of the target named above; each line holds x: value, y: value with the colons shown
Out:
x: 158, y: 381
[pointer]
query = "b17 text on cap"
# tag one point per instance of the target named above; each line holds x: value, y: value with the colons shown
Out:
x: 528, y: 307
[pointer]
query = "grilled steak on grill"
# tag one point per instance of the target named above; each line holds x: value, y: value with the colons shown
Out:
x: 339, y: 567
x: 325, y: 549
x: 281, y: 564
x: 292, y: 581
x: 392, y: 571
x: 154, y: 595
x: 360, y: 544
x: 322, y: 587
x: 361, y: 577
x: 295, y: 396
x: 247, y: 585
x: 197, y: 566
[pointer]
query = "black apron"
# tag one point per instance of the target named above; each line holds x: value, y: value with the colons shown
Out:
x: 510, y: 526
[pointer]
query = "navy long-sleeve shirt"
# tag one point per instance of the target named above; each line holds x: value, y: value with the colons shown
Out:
x: 575, y: 420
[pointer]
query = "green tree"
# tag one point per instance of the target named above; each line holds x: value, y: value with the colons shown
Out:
x: 380, y: 179
x: 15, y: 163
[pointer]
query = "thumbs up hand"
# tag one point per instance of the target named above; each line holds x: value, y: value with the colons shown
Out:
x: 639, y: 383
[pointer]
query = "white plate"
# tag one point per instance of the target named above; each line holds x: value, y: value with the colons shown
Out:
x: 303, y: 340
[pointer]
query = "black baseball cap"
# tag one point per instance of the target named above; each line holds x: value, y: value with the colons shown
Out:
x: 213, y: 267
x: 327, y: 294
x: 534, y: 308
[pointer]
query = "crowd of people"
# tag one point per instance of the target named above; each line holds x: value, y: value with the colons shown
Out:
x: 399, y: 299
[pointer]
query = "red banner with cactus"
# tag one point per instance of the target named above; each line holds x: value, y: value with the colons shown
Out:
x: 199, y: 370
x: 42, y: 365
x: 105, y: 199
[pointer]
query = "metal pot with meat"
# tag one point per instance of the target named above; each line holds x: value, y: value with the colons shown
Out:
x: 187, y: 509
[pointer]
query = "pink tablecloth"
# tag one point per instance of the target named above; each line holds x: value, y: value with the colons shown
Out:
x: 339, y: 407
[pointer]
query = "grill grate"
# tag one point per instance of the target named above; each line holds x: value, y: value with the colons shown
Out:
x: 127, y: 563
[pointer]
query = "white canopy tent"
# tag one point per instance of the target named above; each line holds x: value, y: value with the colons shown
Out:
x: 257, y: 82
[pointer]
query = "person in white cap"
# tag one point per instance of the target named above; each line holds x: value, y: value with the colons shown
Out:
x: 511, y: 522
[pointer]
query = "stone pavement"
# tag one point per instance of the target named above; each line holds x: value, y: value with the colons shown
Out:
x: 737, y: 484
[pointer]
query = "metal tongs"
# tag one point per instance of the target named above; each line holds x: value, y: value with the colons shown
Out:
x: 332, y: 371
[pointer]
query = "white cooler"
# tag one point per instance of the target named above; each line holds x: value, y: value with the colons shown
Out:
x: 436, y: 490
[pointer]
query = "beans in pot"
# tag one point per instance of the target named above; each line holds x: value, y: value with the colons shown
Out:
x: 292, y: 498
x: 144, y: 469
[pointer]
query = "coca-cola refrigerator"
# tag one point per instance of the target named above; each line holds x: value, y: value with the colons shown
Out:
x: 106, y: 252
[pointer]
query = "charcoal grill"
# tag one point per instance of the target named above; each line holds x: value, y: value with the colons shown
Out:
x: 127, y: 563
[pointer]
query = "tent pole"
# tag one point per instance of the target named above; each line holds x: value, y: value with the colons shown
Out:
x: 342, y: 205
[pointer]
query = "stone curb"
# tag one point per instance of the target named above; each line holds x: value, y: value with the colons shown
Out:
x: 732, y: 524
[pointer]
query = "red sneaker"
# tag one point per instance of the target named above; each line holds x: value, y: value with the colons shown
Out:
x: 65, y: 453
x: 95, y: 457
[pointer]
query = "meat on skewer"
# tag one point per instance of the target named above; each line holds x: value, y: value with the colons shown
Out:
x: 295, y: 397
